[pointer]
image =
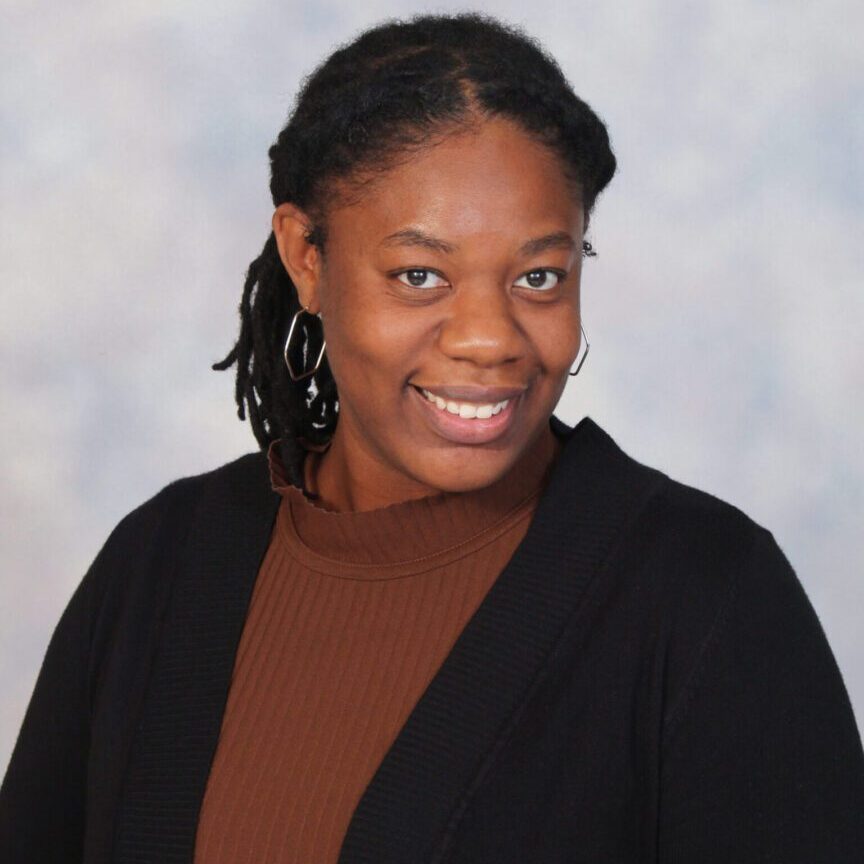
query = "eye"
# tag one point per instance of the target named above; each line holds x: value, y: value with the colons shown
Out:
x: 420, y: 277
x: 540, y: 280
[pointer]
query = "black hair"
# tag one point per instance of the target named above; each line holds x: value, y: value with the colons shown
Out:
x: 391, y: 89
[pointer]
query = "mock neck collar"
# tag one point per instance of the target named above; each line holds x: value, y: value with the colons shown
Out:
x: 411, y: 536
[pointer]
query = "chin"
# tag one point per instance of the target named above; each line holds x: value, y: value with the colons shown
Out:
x: 464, y: 471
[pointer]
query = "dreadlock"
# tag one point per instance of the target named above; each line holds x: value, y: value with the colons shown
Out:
x: 393, y: 89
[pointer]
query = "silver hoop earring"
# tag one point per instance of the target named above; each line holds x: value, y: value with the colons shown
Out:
x: 587, y: 346
x: 287, y: 351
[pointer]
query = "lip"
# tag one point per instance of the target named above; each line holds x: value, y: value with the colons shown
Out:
x: 464, y: 430
x: 473, y: 393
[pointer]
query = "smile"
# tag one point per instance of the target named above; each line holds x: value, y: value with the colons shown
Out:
x: 468, y: 414
x: 466, y: 410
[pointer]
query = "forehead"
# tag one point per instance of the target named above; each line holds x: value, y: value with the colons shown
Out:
x: 490, y: 179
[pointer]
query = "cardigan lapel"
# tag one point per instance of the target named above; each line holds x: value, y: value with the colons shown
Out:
x: 411, y: 807
x: 179, y: 726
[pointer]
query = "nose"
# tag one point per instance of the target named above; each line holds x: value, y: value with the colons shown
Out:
x: 481, y: 327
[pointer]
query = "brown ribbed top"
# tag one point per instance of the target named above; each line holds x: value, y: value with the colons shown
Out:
x: 350, y: 618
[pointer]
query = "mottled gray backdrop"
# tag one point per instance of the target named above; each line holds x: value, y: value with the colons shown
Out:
x: 725, y: 310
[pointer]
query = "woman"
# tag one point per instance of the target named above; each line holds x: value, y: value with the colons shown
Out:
x: 430, y: 622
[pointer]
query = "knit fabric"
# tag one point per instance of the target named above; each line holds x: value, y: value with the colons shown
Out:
x: 645, y: 680
x: 351, y: 616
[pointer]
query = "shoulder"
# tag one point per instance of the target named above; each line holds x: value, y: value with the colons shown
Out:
x: 717, y: 595
x: 668, y: 523
x: 702, y: 542
x: 178, y: 500
x: 695, y: 565
x: 696, y: 554
x: 688, y: 521
x: 150, y: 537
x: 125, y: 588
x: 672, y: 524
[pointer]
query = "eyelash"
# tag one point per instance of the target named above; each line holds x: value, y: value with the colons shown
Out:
x: 560, y: 274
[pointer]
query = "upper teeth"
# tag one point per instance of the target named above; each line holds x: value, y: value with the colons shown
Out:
x: 466, y: 409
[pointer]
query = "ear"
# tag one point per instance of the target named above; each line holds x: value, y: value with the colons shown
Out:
x: 302, y: 259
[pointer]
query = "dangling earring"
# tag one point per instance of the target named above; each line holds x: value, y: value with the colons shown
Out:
x: 587, y: 346
x: 295, y: 376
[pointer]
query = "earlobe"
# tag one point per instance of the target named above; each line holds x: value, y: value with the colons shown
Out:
x: 300, y: 257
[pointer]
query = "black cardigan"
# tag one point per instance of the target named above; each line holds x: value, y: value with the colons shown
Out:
x: 646, y: 681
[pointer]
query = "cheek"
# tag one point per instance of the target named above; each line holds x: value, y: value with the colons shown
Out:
x: 371, y: 347
x: 555, y: 338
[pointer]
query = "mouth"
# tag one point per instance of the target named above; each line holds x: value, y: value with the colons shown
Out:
x: 469, y: 415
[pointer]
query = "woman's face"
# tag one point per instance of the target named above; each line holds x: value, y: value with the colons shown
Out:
x: 449, y: 295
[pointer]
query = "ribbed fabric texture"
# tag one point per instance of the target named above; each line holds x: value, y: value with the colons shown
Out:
x: 351, y: 616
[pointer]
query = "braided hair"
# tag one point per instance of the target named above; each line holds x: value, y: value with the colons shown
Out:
x: 394, y: 88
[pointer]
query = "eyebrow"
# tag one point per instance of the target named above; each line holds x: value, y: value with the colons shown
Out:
x: 413, y: 237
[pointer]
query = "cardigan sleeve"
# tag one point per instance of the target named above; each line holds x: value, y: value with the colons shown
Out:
x: 762, y: 760
x: 46, y: 794
x: 42, y: 799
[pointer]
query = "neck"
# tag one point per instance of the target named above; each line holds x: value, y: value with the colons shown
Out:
x: 346, y: 478
x: 349, y: 477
